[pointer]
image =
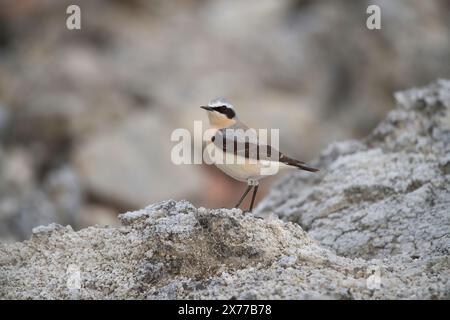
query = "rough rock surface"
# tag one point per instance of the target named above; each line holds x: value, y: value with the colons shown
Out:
x: 384, y: 196
x: 377, y: 223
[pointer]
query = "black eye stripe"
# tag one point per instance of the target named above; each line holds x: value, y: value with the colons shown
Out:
x: 226, y: 111
x: 220, y: 109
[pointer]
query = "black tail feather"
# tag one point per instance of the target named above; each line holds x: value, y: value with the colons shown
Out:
x: 310, y: 169
x: 299, y: 164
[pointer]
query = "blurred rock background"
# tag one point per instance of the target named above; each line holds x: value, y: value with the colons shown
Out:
x: 86, y: 116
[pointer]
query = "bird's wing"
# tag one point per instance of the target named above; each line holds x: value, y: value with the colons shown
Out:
x: 243, y: 141
x: 239, y: 140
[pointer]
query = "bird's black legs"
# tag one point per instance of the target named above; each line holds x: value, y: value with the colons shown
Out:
x: 243, y: 196
x: 255, y: 190
x: 251, y: 184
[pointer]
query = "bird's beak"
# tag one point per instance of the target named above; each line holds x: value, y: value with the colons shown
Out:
x: 207, y: 108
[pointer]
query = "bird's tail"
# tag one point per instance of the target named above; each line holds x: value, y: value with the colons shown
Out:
x: 306, y: 168
x: 296, y: 163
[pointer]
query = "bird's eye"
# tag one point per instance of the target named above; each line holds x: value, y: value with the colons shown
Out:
x: 226, y: 111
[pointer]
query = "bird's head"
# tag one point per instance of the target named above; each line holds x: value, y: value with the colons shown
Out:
x: 221, y: 113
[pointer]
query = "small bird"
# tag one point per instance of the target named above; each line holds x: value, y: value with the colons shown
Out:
x: 227, y: 139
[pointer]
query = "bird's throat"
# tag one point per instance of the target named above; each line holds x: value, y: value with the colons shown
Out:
x: 217, y: 122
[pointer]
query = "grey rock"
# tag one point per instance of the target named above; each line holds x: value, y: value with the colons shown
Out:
x: 376, y: 217
x: 63, y: 187
x: 386, y: 195
x: 24, y: 205
x: 137, y: 143
x: 172, y: 250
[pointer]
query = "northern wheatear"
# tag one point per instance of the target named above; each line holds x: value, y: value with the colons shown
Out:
x: 250, y: 156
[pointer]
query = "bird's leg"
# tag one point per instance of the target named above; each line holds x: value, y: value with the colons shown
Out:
x: 243, y: 196
x: 254, y: 183
x: 255, y: 190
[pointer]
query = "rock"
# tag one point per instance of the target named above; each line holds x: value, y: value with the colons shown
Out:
x: 107, y: 162
x: 173, y: 250
x: 387, y: 195
x: 63, y: 188
x: 24, y: 204
x: 22, y: 207
x: 376, y: 217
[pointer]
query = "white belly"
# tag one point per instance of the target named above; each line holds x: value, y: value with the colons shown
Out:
x: 240, y: 168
